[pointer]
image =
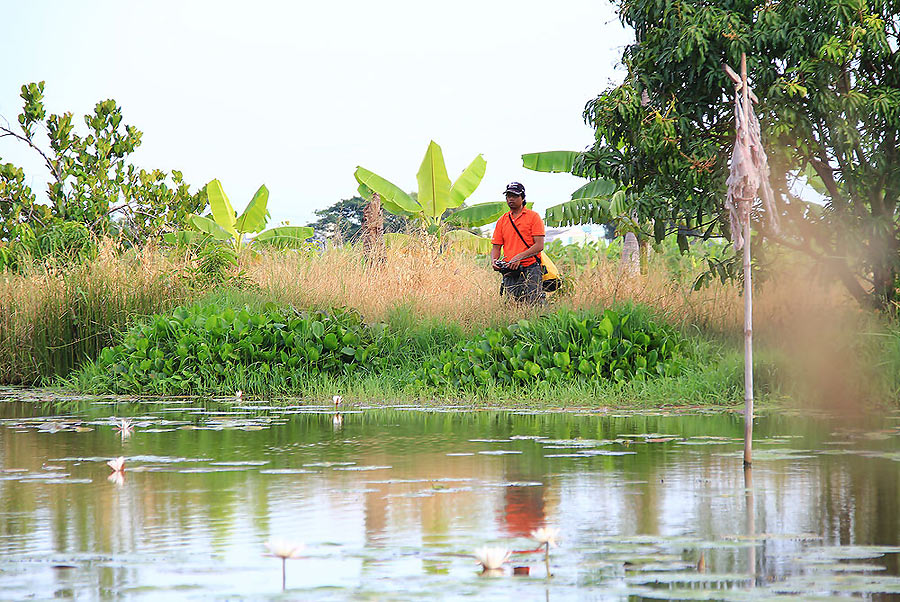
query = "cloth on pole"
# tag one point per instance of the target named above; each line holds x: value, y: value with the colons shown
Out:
x: 749, y: 173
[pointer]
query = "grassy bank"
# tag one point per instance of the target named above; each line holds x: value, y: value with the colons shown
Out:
x: 811, y: 342
x: 237, y: 341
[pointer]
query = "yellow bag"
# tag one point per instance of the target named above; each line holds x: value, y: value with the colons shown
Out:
x: 551, y: 280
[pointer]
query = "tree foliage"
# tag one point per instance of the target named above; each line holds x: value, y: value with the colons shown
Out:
x: 91, y: 180
x: 344, y: 219
x: 826, y: 74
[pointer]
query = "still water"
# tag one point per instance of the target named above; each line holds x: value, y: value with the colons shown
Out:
x: 391, y: 503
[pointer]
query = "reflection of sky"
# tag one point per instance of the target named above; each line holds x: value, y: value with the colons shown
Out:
x: 192, y: 533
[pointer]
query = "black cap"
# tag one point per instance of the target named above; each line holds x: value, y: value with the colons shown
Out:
x: 515, y: 188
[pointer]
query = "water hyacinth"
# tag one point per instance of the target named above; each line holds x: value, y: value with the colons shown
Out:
x: 492, y: 559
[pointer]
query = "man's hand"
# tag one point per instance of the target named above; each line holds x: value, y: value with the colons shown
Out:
x: 515, y: 263
x: 494, y: 265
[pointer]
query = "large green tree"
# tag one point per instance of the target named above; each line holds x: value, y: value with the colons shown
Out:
x: 827, y: 76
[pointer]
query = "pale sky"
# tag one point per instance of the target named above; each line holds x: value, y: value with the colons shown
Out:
x: 295, y: 95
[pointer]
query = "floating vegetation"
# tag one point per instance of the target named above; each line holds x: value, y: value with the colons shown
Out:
x: 831, y: 553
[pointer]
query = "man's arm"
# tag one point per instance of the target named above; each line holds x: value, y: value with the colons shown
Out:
x: 531, y: 251
x: 495, y: 255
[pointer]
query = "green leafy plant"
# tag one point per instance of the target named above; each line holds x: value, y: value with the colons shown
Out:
x: 195, y: 348
x: 436, y: 194
x: 437, y: 200
x: 615, y: 345
x: 829, y: 100
x: 228, y: 227
x: 91, y: 180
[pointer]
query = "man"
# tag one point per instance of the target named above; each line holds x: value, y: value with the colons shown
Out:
x: 520, y: 235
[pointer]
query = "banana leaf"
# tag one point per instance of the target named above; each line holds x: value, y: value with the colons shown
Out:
x: 434, y: 183
x: 256, y: 214
x: 478, y: 215
x: 595, y: 189
x: 550, y: 161
x: 618, y: 204
x: 463, y: 240
x: 579, y: 211
x: 285, y: 237
x: 386, y: 190
x: 467, y: 182
x: 221, y: 207
x: 204, y: 224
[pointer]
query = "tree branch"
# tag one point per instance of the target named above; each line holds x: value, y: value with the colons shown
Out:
x: 7, y: 132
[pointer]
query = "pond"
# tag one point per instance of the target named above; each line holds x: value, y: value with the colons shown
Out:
x: 392, y: 502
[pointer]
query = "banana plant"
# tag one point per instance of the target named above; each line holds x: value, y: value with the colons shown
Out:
x: 436, y: 194
x: 589, y: 204
x: 228, y: 227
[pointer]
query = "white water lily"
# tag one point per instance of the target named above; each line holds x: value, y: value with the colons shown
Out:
x: 491, y: 558
x: 117, y: 478
x: 238, y: 394
x: 117, y: 465
x: 337, y: 399
x: 281, y: 548
x: 125, y: 426
x: 337, y: 421
x: 546, y: 536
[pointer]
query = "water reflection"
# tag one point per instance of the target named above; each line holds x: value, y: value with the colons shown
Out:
x: 385, y: 495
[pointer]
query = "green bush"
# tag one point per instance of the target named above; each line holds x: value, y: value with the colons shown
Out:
x: 612, y: 346
x: 202, y: 348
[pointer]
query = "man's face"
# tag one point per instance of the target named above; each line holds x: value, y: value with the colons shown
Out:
x: 514, y: 201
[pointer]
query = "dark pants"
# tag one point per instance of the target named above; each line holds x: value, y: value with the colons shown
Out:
x: 524, y: 284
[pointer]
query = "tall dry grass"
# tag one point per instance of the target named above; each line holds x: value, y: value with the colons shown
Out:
x: 52, y: 318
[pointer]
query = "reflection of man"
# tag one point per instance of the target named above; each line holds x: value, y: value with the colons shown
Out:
x: 520, y: 234
x: 523, y: 509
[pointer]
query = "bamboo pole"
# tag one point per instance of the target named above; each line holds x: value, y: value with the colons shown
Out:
x: 748, y: 291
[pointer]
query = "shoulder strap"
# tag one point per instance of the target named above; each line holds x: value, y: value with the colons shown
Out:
x: 517, y: 230
x: 539, y: 256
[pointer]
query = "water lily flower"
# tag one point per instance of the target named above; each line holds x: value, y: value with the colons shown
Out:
x: 125, y: 426
x: 491, y: 558
x: 117, y: 465
x: 337, y: 421
x: 546, y: 536
x: 238, y: 394
x: 117, y: 478
x: 337, y: 399
x: 280, y: 548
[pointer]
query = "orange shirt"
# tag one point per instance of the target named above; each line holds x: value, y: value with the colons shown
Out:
x: 529, y: 224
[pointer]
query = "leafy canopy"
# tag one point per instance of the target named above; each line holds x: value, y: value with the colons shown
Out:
x: 827, y: 73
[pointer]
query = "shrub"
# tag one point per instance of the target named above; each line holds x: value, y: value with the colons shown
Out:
x: 200, y: 348
x: 616, y: 346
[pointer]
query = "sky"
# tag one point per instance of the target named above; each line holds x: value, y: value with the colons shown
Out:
x: 295, y: 95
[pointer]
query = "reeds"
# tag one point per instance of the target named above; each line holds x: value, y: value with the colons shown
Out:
x: 52, y: 319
